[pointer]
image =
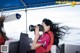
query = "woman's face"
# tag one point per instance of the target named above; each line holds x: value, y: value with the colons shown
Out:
x: 46, y: 28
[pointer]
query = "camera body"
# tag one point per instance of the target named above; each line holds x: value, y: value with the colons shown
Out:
x: 32, y: 27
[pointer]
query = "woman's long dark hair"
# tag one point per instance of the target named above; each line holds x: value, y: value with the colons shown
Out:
x: 3, y: 34
x: 57, y: 31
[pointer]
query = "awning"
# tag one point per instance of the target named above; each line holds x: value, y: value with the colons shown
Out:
x: 19, y: 4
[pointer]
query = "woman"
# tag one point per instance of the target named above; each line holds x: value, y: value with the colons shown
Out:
x: 3, y: 36
x: 51, y: 35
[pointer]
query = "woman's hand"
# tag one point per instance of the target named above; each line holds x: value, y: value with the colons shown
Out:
x: 36, y: 31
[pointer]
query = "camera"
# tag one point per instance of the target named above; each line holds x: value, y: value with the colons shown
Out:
x: 32, y: 27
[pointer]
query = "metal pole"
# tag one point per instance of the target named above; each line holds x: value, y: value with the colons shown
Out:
x: 25, y: 12
x: 2, y: 12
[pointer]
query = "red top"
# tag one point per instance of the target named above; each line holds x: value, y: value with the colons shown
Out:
x: 1, y: 40
x: 46, y: 40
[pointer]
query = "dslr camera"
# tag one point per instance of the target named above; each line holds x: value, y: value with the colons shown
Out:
x: 32, y: 27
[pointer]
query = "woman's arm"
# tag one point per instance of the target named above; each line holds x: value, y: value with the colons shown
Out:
x: 34, y: 44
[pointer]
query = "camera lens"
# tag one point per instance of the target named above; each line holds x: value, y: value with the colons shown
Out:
x: 32, y: 27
